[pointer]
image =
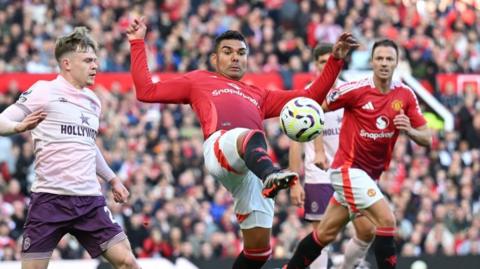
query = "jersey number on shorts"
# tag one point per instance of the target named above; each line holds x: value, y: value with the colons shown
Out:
x: 109, y: 214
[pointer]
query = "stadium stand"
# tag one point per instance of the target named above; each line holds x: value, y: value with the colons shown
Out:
x: 176, y: 209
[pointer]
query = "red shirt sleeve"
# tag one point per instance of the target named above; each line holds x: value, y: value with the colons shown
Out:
x: 275, y: 100
x: 413, y: 110
x: 175, y: 90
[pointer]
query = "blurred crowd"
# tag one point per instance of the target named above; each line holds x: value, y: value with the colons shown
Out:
x: 436, y: 35
x: 176, y: 208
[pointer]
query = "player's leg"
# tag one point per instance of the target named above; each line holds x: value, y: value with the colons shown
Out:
x: 120, y: 256
x: 255, y: 225
x: 240, y: 150
x: 335, y: 218
x: 321, y: 262
x: 256, y: 248
x: 35, y: 264
x: 97, y: 231
x: 41, y: 235
x: 384, y: 244
x: 222, y: 154
x: 362, y: 194
x: 252, y: 147
x: 357, y: 246
x: 317, y: 197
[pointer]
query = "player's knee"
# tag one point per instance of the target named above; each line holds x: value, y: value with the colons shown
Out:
x: 388, y: 220
x: 367, y: 235
x: 257, y: 237
x: 253, y: 138
x: 240, y: 142
x: 325, y: 235
x: 364, y: 229
x: 128, y: 262
x: 316, y: 225
x: 327, y: 238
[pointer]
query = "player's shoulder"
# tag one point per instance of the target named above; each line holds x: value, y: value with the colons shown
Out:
x: 355, y: 85
x: 39, y: 93
x: 40, y: 88
x: 398, y: 84
x: 349, y: 88
x: 199, y: 73
x: 91, y: 94
x: 401, y: 87
x: 43, y: 84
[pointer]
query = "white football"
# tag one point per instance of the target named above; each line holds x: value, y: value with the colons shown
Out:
x: 302, y: 119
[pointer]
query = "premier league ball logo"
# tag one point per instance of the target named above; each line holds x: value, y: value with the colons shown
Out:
x: 26, y: 243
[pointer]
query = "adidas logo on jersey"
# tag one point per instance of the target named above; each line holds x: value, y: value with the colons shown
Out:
x: 368, y: 106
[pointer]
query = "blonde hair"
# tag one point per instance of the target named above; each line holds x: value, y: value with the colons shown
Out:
x: 77, y: 41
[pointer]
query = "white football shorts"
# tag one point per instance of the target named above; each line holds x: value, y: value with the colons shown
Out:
x: 224, y: 163
x: 354, y: 188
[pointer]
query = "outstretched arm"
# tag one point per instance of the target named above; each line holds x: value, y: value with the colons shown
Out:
x: 14, y: 120
x: 320, y: 86
x: 170, y: 91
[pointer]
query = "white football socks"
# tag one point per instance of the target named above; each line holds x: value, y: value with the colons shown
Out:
x: 356, y: 249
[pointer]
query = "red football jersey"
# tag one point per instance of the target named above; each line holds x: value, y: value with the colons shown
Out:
x: 368, y: 135
x: 219, y: 102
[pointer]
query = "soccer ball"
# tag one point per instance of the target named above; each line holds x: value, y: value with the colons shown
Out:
x: 302, y: 119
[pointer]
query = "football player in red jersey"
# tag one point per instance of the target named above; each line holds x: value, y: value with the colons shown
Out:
x: 317, y: 190
x: 376, y: 110
x: 231, y: 114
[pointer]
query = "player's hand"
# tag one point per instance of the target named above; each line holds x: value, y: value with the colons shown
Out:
x: 321, y: 161
x: 31, y: 121
x: 344, y: 44
x: 137, y: 29
x: 120, y: 193
x: 402, y: 122
x: 297, y: 195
